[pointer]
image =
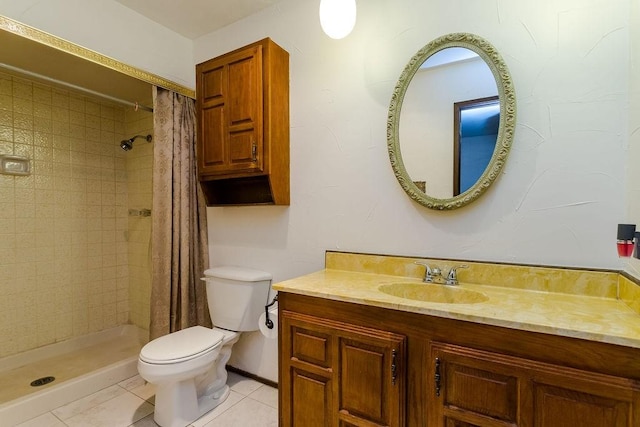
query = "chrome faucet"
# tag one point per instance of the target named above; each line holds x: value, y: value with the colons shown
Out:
x: 434, y: 274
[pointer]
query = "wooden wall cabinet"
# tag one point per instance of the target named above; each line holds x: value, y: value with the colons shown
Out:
x: 243, y: 126
x: 335, y: 364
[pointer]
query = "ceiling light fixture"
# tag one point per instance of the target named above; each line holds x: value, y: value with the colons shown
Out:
x: 337, y: 17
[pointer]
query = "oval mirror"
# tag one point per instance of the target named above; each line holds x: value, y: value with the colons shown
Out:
x: 451, y: 121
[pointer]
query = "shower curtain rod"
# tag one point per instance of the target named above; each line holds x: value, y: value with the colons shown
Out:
x: 75, y: 87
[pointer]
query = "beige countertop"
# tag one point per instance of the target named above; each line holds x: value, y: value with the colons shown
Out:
x: 597, y: 318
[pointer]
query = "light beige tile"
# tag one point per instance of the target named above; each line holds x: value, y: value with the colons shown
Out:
x: 121, y: 411
x: 247, y: 413
x: 267, y: 395
x: 230, y: 402
x: 147, y: 392
x: 82, y: 405
x: 242, y: 385
x: 45, y: 420
x: 145, y: 422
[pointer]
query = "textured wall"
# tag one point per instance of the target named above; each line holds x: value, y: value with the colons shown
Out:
x: 633, y: 167
x: 139, y: 164
x: 561, y: 193
x: 63, y: 254
x: 563, y: 189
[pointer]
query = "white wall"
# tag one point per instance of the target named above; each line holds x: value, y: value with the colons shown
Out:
x: 111, y: 29
x: 562, y: 191
x: 633, y: 168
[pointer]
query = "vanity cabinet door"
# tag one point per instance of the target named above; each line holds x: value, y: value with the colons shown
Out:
x: 306, y: 383
x: 475, y: 388
x: 337, y: 374
x: 573, y: 398
x: 371, y: 381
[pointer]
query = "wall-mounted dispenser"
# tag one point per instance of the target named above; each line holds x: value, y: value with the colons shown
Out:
x: 625, y: 244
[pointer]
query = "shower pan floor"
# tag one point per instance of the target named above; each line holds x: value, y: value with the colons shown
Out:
x: 72, y: 363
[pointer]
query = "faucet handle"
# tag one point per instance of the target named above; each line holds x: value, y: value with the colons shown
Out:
x: 429, y: 272
x: 452, y: 277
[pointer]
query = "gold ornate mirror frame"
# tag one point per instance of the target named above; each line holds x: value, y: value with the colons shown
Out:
x: 507, y: 96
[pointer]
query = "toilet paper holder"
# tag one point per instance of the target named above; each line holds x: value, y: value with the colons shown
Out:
x: 268, y: 322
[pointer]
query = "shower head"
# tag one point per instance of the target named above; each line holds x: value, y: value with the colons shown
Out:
x: 127, y: 144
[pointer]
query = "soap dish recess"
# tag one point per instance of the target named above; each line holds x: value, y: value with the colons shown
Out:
x: 14, y: 165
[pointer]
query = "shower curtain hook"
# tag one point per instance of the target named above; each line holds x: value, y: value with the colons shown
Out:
x: 136, y: 107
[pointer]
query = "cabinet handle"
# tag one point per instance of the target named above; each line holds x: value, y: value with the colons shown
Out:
x: 394, y: 367
x: 437, y: 376
x: 254, y: 152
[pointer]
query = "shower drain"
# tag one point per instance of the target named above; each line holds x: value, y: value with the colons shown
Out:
x: 42, y: 381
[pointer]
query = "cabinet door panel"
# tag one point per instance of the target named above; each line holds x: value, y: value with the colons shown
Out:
x: 493, y: 389
x: 311, y: 406
x: 242, y: 148
x: 365, y: 368
x: 369, y: 371
x: 473, y: 384
x: 244, y: 111
x: 561, y: 407
x: 311, y: 346
x: 213, y: 129
x: 231, y: 122
x: 481, y: 391
x: 245, y: 88
x: 362, y: 369
x: 457, y: 423
x: 213, y: 84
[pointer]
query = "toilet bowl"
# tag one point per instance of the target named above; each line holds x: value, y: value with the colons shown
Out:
x: 188, y: 367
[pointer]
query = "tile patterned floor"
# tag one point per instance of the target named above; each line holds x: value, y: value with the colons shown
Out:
x: 130, y: 403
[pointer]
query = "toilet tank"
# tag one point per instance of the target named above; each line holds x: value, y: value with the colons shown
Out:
x: 236, y: 296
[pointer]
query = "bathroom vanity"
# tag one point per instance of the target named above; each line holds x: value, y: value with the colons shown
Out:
x: 560, y: 351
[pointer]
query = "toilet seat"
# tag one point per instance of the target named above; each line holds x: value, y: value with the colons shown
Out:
x: 180, y: 346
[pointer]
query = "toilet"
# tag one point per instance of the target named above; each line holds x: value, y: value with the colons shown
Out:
x: 188, y: 367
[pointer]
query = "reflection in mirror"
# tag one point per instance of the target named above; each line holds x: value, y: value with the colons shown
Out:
x: 451, y: 121
x: 475, y: 131
x: 428, y: 127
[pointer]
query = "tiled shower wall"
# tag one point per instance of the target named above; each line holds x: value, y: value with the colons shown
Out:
x: 139, y: 164
x: 64, y: 258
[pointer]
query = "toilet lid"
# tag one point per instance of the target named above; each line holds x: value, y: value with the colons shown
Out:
x: 181, y: 345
